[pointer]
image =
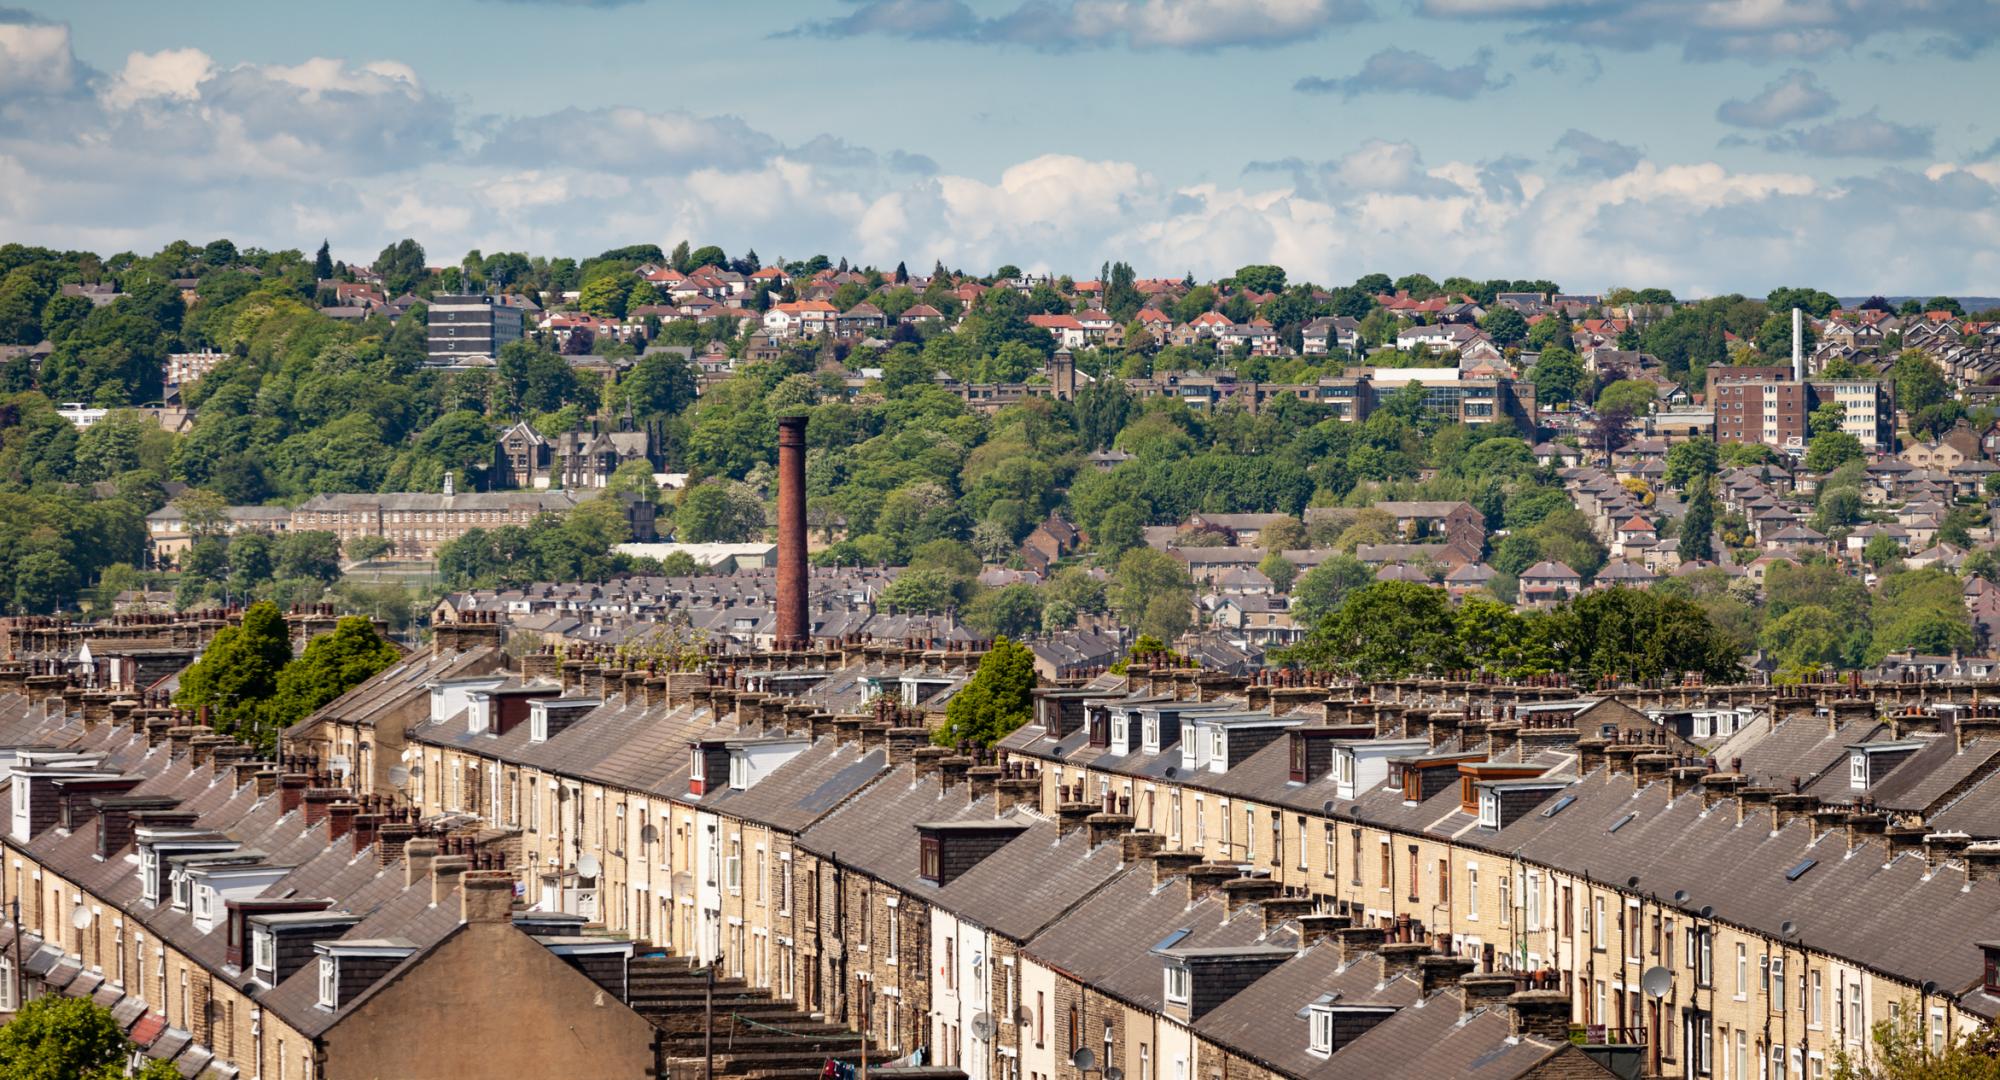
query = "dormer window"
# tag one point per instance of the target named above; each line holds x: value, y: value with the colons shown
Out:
x: 1177, y: 984
x: 1489, y: 809
x: 1152, y: 733
x: 930, y: 861
x: 183, y: 891
x: 538, y: 725
x: 1319, y: 1032
x: 149, y: 874
x: 329, y: 982
x: 739, y: 771
x: 1857, y: 771
x: 264, y: 953
x: 204, y: 904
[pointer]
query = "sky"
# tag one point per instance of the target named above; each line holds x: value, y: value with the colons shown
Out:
x: 1706, y: 146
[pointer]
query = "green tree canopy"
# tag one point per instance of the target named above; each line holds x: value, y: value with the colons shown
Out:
x: 331, y: 665
x: 63, y: 1038
x: 238, y: 671
x: 997, y: 699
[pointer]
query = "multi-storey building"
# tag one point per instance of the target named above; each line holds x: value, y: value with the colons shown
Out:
x: 470, y: 329
x: 417, y: 524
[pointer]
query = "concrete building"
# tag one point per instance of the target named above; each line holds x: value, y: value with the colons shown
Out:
x: 469, y: 329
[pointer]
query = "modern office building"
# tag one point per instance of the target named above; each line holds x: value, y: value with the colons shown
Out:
x: 469, y: 329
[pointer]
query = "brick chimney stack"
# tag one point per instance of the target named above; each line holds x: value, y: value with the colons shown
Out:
x: 793, y: 631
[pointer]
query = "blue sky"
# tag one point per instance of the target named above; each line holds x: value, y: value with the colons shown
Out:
x: 1705, y: 145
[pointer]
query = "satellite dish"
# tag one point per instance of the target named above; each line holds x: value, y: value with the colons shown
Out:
x: 1707, y: 911
x: 1656, y: 982
x: 1114, y: 1073
x: 1023, y: 1017
x: 1632, y: 882
x: 416, y: 772
x: 1788, y: 928
x: 1083, y: 1059
x: 649, y: 834
x: 79, y: 917
x: 1328, y: 808
x: 1680, y: 896
x: 586, y: 865
x: 982, y: 1027
x: 398, y: 775
x: 1928, y: 988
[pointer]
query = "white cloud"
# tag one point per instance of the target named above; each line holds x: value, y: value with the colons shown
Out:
x: 35, y: 56
x: 1746, y: 29
x: 169, y: 73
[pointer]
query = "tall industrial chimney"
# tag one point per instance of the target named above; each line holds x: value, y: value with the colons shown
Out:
x: 1799, y: 345
x: 793, y: 631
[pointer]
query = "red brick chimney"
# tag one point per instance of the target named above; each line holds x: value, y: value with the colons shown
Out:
x: 793, y: 631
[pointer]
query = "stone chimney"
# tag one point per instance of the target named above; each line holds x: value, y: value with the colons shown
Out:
x: 391, y: 841
x: 1541, y: 1014
x: 486, y: 896
x: 1485, y: 989
x: 445, y: 872
x: 418, y: 855
x: 340, y: 819
x: 1279, y: 910
x: 317, y: 800
x: 1314, y: 929
x: 1241, y: 892
x: 1168, y: 864
x: 1139, y: 846
x: 1105, y: 827
x: 1205, y: 878
x: 1437, y: 971
x: 1358, y: 941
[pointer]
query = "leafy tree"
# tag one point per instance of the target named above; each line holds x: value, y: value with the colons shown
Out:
x: 1828, y: 417
x: 1698, y: 525
x: 660, y: 384
x: 1263, y: 278
x: 63, y: 1038
x: 368, y: 547
x: 238, y: 671
x: 1634, y: 395
x: 719, y: 511
x: 1919, y: 384
x: 921, y: 592
x: 402, y: 267
x: 1151, y: 591
x: 605, y: 295
x: 331, y: 665
x: 1280, y: 570
x: 1902, y: 1051
x: 1689, y: 461
x: 1558, y: 376
x: 1071, y: 593
x: 1923, y: 610
x: 997, y: 699
x: 311, y: 554
x: 1881, y: 550
x: 1387, y: 629
x: 1832, y: 450
x: 1012, y: 611
x: 1505, y: 326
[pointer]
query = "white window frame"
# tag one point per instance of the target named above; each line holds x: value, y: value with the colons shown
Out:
x: 329, y: 982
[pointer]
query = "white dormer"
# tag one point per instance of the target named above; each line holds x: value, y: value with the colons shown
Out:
x: 1360, y: 766
x: 449, y: 697
x: 751, y: 761
x: 1121, y: 732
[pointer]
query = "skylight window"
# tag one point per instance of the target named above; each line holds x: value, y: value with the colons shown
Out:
x: 1561, y: 805
x: 1171, y: 940
x: 1621, y: 822
x: 1798, y: 871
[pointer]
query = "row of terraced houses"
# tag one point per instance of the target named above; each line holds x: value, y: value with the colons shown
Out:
x: 1171, y: 872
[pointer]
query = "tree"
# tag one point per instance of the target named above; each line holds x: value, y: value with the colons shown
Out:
x: 719, y: 511
x: 1505, y: 326
x: 1636, y: 396
x: 311, y: 554
x: 660, y: 384
x: 925, y: 592
x: 1319, y: 591
x: 1387, y: 629
x: 1919, y: 384
x: 1072, y: 593
x: 1010, y: 611
x: 1903, y: 1052
x: 368, y: 547
x: 1698, y: 525
x: 997, y: 699
x: 1922, y: 610
x: 1689, y: 461
x: 1280, y: 570
x: 63, y: 1038
x: 323, y: 262
x: 1260, y: 278
x: 1828, y: 417
x: 238, y: 671
x: 1148, y: 588
x: 1881, y: 550
x: 1832, y: 450
x: 605, y: 295
x: 401, y: 265
x: 1558, y: 376
x: 332, y: 665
